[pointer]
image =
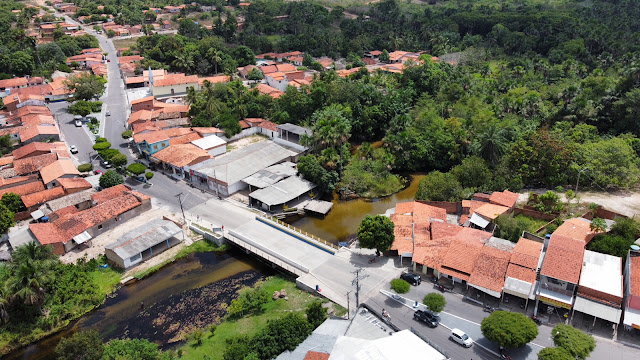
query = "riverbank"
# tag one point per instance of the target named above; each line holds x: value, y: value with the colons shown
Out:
x: 214, y: 344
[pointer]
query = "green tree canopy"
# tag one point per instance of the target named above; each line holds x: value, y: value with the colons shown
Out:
x: 509, y: 329
x: 576, y: 342
x: 7, y: 219
x: 316, y: 314
x: 435, y: 302
x: 119, y: 159
x: 85, y: 86
x: 83, y: 345
x: 110, y: 178
x: 438, y: 186
x: 137, y: 168
x: 555, y: 353
x: 376, y: 232
x: 13, y: 202
x: 310, y: 168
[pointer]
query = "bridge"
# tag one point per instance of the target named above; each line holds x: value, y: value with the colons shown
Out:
x: 314, y: 261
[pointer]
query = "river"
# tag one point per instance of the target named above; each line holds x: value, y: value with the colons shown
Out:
x: 178, y: 298
x: 345, y: 216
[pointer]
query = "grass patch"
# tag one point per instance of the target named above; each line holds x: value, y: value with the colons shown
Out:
x: 196, y: 247
x: 214, y: 346
x: 123, y: 43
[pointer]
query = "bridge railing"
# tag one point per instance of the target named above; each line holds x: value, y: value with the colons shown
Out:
x: 267, y: 254
x: 292, y: 230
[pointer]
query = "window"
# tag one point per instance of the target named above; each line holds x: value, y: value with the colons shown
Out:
x: 99, y: 227
x: 570, y: 286
x: 155, y: 147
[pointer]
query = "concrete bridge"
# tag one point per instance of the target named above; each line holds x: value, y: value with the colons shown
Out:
x: 315, y: 262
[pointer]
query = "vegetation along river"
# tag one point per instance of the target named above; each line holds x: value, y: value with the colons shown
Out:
x: 179, y: 298
x: 345, y: 216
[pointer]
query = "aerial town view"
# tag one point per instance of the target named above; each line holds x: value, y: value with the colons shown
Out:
x: 319, y: 179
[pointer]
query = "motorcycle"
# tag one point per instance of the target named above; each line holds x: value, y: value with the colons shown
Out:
x: 488, y: 309
x: 372, y: 260
x: 441, y: 288
x: 536, y: 320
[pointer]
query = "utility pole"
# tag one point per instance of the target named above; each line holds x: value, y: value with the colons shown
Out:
x: 348, y: 306
x: 578, y: 181
x: 181, y: 208
x: 356, y: 282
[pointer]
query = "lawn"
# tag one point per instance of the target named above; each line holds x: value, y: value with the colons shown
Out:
x: 213, y: 346
x: 124, y: 43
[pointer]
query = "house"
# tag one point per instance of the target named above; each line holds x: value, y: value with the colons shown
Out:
x: 73, y: 185
x: 631, y: 319
x: 143, y: 243
x: 290, y: 135
x: 179, y: 157
x: 85, y: 60
x: 269, y: 90
x: 490, y: 267
x: 14, y: 181
x: 15, y: 83
x: 208, y: 131
x: 327, y: 63
x: 34, y: 200
x: 76, y: 228
x: 151, y: 142
x: 214, y: 79
x: 482, y: 217
x: 33, y: 164
x: 23, y: 188
x: 244, y: 71
x: 63, y: 168
x: 212, y: 144
x: 142, y: 104
x: 225, y: 173
x: 174, y: 85
x: 15, y: 101
x: 521, y: 278
x: 268, y: 128
x: 40, y: 148
x: 277, y: 80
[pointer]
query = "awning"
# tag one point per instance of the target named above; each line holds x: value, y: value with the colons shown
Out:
x: 486, y: 291
x: 37, y: 214
x: 632, y: 317
x: 555, y: 299
x: 81, y: 238
x: 598, y: 309
x: 519, y: 288
x: 479, y: 221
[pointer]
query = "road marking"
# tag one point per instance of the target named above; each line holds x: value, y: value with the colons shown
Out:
x: 461, y: 318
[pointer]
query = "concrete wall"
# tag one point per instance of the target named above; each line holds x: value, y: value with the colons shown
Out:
x: 450, y: 207
x: 180, y: 89
x: 111, y: 223
x: 146, y: 105
x: 534, y: 214
x: 218, y: 150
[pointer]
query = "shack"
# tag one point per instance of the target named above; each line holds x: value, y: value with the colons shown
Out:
x: 143, y: 243
x: 281, y: 192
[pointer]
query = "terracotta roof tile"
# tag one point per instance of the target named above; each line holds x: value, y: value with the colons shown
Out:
x: 182, y: 155
x: 268, y: 69
x: 442, y: 229
x: 491, y: 211
x: 207, y: 130
x: 146, y: 99
x: 431, y: 253
x: 58, y: 169
x: 151, y: 137
x: 30, y: 148
x: 34, y: 163
x: 71, y: 209
x: 576, y: 228
x: 215, y: 79
x: 74, y: 183
x: 268, y: 90
x: 461, y: 256
x: 563, y: 259
x: 109, y: 193
x: 15, y: 82
x: 42, y: 197
x: 314, y: 355
x: 176, y: 79
x: 184, y: 139
x: 18, y: 179
x: 527, y: 253
x: 268, y: 125
x: 24, y: 189
x: 635, y: 275
x: 490, y: 268
x: 421, y: 212
x: 285, y: 68
x: 505, y: 198
x: 521, y: 273
x: 6, y: 160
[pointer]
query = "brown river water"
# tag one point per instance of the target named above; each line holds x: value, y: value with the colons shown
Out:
x: 188, y: 294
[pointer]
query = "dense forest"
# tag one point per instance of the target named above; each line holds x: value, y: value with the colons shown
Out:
x: 526, y: 93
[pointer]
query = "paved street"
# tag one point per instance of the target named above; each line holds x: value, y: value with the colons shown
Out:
x: 72, y: 135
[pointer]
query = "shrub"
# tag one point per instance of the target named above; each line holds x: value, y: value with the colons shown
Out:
x: 509, y: 329
x: 127, y: 134
x: 85, y: 167
x: 101, y: 140
x: 148, y: 175
x: 110, y: 178
x: 137, y: 168
x: 119, y: 159
x: 435, y: 302
x: 400, y: 286
x: 316, y: 314
x: 101, y: 146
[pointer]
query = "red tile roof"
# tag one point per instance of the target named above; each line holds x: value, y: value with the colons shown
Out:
x: 521, y: 273
x: 268, y: 125
x: 285, y: 68
x: 184, y: 139
x: 442, y: 229
x: 182, y: 155
x: 314, y: 355
x: 18, y: 179
x: 42, y: 197
x: 146, y: 99
x: 6, y: 160
x: 635, y: 275
x: 34, y: 163
x: 151, y: 137
x: 15, y: 82
x: 527, y: 253
x: 505, y: 198
x: 268, y: 90
x: 24, y: 189
x: 461, y: 256
x: 421, y: 212
x: 491, y: 211
x: 576, y: 228
x: 207, y: 130
x: 74, y: 183
x: 176, y: 79
x: 215, y: 79
x: 109, y: 193
x: 563, y: 260
x: 30, y: 148
x: 58, y: 169
x: 490, y: 268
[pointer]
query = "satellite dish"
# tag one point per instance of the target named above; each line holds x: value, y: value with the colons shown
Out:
x: 635, y: 247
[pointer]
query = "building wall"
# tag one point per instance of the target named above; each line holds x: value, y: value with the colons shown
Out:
x: 146, y: 105
x: 218, y: 150
x: 270, y: 133
x: 180, y: 89
x: 599, y: 295
x: 278, y: 84
x: 557, y: 285
x: 155, y: 147
x: 111, y: 223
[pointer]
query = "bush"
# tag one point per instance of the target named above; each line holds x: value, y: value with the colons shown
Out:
x: 110, y: 178
x: 119, y: 159
x: 108, y: 154
x: 101, y: 140
x: 136, y: 168
x: 316, y: 314
x: 509, y: 329
x: 400, y: 286
x: 250, y: 301
x: 148, y: 175
x: 101, y: 146
x: 127, y: 134
x: 85, y: 167
x: 435, y: 302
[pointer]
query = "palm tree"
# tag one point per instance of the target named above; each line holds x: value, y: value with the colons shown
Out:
x: 215, y: 57
x: 491, y: 143
x: 32, y: 251
x: 27, y: 283
x: 4, y: 302
x: 184, y: 61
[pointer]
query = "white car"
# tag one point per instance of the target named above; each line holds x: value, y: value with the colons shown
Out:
x: 73, y: 149
x: 78, y: 123
x: 461, y: 338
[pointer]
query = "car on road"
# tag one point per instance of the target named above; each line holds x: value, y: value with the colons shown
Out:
x: 106, y: 164
x: 73, y: 149
x: 461, y: 338
x: 108, y: 113
x: 413, y: 279
x: 98, y: 172
x: 432, y: 320
x: 78, y: 123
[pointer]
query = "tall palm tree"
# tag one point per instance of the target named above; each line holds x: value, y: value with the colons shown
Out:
x: 4, y: 302
x: 32, y: 252
x: 215, y: 57
x: 491, y: 143
x: 27, y: 284
x: 184, y: 61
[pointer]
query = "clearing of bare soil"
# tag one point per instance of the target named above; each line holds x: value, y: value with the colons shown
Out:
x: 623, y: 202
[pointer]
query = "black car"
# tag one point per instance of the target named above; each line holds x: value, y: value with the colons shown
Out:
x: 432, y: 320
x: 412, y: 279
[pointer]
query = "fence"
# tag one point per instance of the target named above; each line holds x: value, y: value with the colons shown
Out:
x: 534, y: 214
x: 299, y: 234
x: 210, y: 236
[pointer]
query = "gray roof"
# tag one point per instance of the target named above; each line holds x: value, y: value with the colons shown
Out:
x: 271, y: 175
x: 322, y: 339
x: 19, y: 236
x: 239, y: 164
x: 299, y: 130
x: 68, y: 200
x: 144, y: 237
x: 283, y: 191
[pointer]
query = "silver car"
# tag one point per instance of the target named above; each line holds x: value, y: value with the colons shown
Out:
x: 461, y: 338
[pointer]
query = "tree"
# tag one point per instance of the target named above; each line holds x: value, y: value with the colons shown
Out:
x: 598, y: 225
x: 310, y: 168
x: 400, y: 286
x: 255, y: 75
x: 110, y: 178
x: 576, y: 342
x: 7, y: 219
x: 127, y: 134
x: 509, y: 329
x: 101, y: 145
x: 331, y: 127
x: 384, y: 56
x: 610, y: 163
x: 85, y: 167
x: 316, y: 314
x: 438, y: 186
x: 555, y: 353
x: 492, y: 142
x: 137, y: 168
x: 376, y: 232
x: 119, y: 160
x: 83, y: 345
x: 148, y: 175
x: 13, y: 202
x: 21, y: 63
x: 215, y: 57
x: 85, y: 86
x: 435, y: 302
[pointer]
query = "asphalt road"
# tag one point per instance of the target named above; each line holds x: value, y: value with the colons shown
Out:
x: 72, y: 135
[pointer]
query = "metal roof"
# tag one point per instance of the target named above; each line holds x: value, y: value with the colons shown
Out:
x: 283, y: 191
x: 208, y: 142
x: 239, y: 164
x: 271, y: 175
x: 299, y: 130
x: 144, y: 237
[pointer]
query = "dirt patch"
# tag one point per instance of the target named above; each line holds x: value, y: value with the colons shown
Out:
x: 240, y: 143
x: 623, y: 202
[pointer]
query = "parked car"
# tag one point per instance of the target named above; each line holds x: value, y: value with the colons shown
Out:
x: 413, y: 279
x: 98, y: 172
x: 78, y: 123
x: 73, y: 149
x: 106, y: 164
x: 432, y: 320
x: 108, y: 113
x: 461, y: 338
